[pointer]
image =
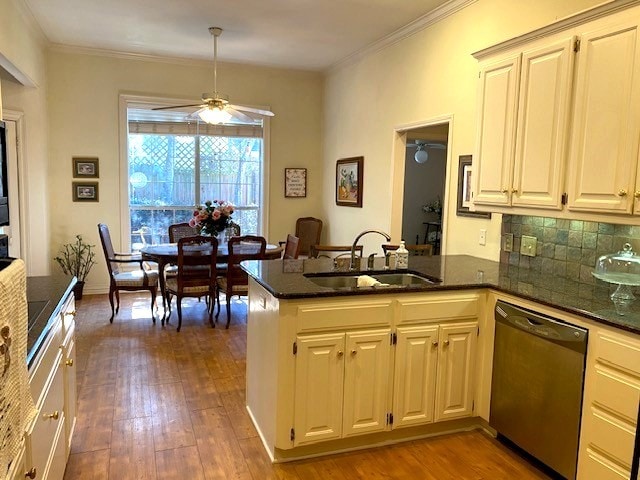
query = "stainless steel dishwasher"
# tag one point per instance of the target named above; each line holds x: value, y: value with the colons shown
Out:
x: 536, y: 389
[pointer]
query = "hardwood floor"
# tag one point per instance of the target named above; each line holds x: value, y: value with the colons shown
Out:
x: 157, y: 404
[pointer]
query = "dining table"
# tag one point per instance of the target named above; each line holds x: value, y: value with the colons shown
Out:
x: 167, y: 253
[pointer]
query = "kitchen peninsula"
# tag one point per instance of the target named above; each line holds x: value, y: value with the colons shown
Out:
x: 332, y: 369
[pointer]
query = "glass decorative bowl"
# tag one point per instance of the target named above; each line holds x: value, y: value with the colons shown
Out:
x: 621, y: 268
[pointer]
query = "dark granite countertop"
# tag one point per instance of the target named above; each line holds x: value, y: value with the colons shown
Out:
x: 287, y: 279
x: 45, y: 296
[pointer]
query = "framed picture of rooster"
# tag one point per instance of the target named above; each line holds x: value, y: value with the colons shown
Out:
x: 349, y: 174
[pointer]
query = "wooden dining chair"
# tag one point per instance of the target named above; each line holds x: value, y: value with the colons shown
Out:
x: 333, y: 251
x: 236, y: 281
x: 291, y: 247
x: 181, y: 230
x: 196, y: 275
x: 308, y: 230
x: 419, y: 250
x: 134, y: 280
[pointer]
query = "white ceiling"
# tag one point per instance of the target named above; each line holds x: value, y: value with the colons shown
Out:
x: 304, y: 34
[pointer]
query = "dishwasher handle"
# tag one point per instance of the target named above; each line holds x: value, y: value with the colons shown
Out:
x: 542, y: 326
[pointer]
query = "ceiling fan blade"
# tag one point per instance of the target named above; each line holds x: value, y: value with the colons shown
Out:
x: 238, y: 115
x: 179, y: 106
x: 264, y: 113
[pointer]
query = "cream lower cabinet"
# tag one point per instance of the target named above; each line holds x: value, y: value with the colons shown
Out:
x: 433, y: 379
x: 52, y: 381
x: 341, y: 385
x: 610, y: 408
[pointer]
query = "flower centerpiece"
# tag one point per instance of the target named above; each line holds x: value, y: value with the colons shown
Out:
x: 434, y: 207
x: 213, y: 218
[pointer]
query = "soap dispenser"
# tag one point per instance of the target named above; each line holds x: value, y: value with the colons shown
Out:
x: 402, y: 256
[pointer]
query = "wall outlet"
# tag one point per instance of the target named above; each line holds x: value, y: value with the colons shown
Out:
x: 507, y: 244
x: 482, y: 239
x: 528, y: 246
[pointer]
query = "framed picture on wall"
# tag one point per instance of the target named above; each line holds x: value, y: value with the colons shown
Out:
x: 295, y: 182
x: 464, y: 189
x: 85, y: 191
x: 349, y: 173
x: 85, y: 167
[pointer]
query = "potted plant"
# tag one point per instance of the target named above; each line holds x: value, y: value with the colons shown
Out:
x: 77, y: 259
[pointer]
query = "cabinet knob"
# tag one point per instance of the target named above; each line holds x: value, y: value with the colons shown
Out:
x: 514, y: 190
x: 622, y: 192
x: 55, y: 415
x: 637, y: 194
x: 72, y: 313
x: 340, y: 353
x: 354, y: 352
x: 435, y: 344
x: 69, y: 362
x: 505, y: 190
x: 446, y: 343
x: 31, y: 473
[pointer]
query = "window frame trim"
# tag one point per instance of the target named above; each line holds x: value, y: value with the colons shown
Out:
x: 127, y: 101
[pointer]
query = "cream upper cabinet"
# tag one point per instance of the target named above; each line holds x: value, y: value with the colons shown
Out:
x: 524, y: 101
x: 606, y: 119
x: 497, y: 105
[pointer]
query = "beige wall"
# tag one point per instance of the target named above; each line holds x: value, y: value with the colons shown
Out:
x: 83, y: 121
x: 427, y: 75
x: 23, y: 48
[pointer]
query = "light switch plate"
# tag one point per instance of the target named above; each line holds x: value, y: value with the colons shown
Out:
x: 508, y: 242
x: 528, y: 246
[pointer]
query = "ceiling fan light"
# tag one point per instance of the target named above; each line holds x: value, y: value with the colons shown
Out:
x: 421, y: 156
x: 214, y: 115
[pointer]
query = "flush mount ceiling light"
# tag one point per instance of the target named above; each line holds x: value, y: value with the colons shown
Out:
x: 421, y: 155
x: 215, y: 107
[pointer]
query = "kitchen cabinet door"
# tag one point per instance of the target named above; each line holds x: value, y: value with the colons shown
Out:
x: 319, y: 388
x: 456, y: 361
x: 366, y: 379
x: 415, y: 375
x: 497, y: 106
x: 541, y: 128
x: 606, y: 119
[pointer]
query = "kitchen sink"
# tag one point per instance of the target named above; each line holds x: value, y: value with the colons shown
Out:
x: 394, y: 280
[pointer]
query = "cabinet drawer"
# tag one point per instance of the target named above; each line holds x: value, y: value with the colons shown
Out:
x: 596, y: 466
x: 42, y: 366
x: 438, y: 308
x: 42, y: 440
x: 349, y: 314
x: 616, y: 392
x: 618, y: 351
x: 612, y: 436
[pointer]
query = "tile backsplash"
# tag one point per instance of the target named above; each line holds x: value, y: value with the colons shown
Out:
x: 566, y: 248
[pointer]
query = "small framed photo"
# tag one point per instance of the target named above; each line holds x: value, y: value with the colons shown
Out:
x: 85, y: 167
x: 349, y: 174
x: 464, y: 189
x: 295, y: 182
x: 85, y: 191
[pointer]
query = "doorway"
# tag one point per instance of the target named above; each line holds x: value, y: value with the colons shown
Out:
x: 425, y: 169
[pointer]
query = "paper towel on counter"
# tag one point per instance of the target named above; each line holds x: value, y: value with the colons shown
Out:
x: 367, y: 281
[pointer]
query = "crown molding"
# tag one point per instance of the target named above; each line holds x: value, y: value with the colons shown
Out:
x: 434, y: 16
x: 574, y: 20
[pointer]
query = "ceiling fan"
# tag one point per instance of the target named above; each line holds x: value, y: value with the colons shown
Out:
x: 421, y: 155
x: 215, y: 107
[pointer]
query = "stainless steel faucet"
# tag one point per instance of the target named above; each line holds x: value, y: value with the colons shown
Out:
x: 352, y: 264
